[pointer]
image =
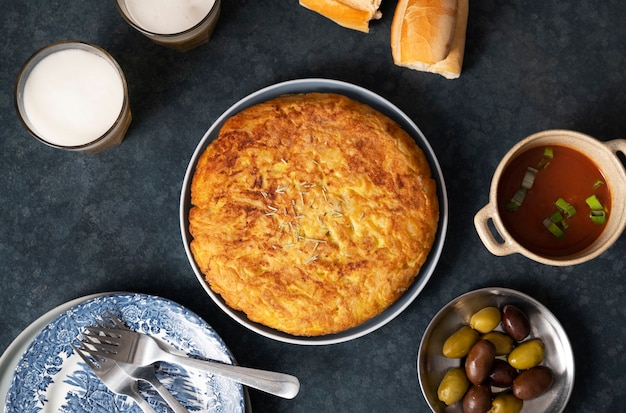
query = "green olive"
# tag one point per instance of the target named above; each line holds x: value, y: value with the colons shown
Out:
x: 503, y: 342
x: 453, y: 386
x: 485, y: 320
x: 460, y: 342
x: 528, y: 354
x: 506, y: 403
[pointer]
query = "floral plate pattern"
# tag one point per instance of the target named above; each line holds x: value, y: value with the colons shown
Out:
x: 50, y: 377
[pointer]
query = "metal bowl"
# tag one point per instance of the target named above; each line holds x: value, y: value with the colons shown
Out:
x: 432, y: 365
x: 383, y: 106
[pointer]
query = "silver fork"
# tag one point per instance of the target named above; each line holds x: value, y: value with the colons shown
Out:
x: 128, y: 346
x: 115, y: 378
x: 146, y: 373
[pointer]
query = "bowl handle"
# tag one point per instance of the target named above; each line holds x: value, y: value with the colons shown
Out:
x: 481, y: 220
x: 617, y: 145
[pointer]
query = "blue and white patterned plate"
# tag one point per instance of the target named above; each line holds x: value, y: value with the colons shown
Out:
x: 50, y: 377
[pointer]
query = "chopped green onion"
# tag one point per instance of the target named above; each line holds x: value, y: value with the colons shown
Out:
x: 511, y: 206
x: 565, y: 207
x: 597, y: 213
x: 529, y: 178
x: 598, y: 184
x: 597, y: 216
x: 517, y: 200
x: 552, y: 224
x: 548, y: 153
x: 543, y: 164
x: 553, y: 228
x: 594, y: 202
x: 556, y: 217
x: 545, y: 161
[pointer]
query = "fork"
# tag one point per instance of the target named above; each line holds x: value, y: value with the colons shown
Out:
x: 115, y: 378
x: 132, y: 347
x: 146, y: 373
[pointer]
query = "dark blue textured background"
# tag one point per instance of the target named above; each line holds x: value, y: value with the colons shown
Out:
x: 74, y: 224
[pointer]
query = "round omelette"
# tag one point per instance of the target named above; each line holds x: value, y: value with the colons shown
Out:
x: 312, y: 213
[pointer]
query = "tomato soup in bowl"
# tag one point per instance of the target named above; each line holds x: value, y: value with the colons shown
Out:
x: 558, y: 197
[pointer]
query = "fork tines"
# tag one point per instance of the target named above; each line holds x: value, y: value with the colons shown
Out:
x: 114, y: 321
x: 81, y: 352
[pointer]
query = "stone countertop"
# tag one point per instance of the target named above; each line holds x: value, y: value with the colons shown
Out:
x: 74, y: 224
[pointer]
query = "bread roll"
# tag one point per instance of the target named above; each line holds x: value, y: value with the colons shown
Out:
x: 353, y: 14
x: 429, y: 35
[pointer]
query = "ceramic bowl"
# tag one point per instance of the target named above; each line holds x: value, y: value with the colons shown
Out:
x: 603, y: 154
x: 385, y: 107
x: 432, y: 365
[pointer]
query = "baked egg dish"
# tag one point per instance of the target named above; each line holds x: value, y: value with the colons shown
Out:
x: 311, y: 213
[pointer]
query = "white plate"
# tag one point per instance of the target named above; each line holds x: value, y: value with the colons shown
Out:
x: 49, y: 377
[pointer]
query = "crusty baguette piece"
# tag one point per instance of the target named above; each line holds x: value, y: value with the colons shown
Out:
x: 429, y: 35
x: 352, y: 14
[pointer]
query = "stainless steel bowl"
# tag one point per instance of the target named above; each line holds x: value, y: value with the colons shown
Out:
x: 378, y: 103
x: 432, y: 365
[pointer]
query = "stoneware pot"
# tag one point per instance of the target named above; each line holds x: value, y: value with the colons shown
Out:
x: 499, y: 240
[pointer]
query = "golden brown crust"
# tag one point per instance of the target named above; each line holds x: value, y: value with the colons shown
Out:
x: 312, y: 213
x: 422, y: 30
x: 429, y: 35
x: 352, y: 14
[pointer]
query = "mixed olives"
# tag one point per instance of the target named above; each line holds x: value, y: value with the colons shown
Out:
x: 500, y: 369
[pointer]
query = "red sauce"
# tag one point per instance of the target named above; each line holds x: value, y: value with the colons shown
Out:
x: 569, y: 175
